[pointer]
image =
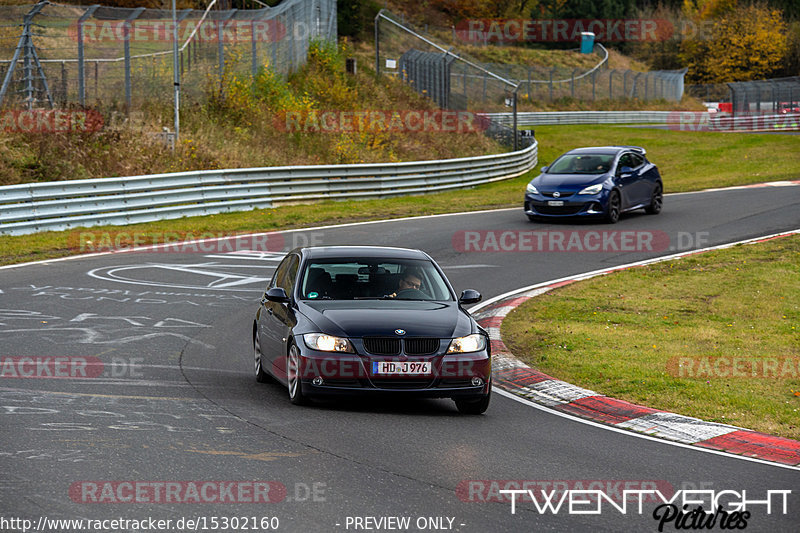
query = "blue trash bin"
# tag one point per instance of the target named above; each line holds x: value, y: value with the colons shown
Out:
x: 587, y: 42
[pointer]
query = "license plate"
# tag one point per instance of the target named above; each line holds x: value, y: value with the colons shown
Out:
x: 555, y: 203
x: 409, y: 368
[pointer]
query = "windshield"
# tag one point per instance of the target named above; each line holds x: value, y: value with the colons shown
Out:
x: 401, y: 279
x: 582, y: 164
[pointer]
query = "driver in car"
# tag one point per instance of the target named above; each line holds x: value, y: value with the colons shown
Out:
x: 409, y: 281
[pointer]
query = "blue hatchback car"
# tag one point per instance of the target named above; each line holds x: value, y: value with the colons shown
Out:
x: 601, y: 182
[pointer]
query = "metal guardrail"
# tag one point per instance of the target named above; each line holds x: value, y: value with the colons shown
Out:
x: 688, y: 120
x: 546, y: 118
x: 61, y: 205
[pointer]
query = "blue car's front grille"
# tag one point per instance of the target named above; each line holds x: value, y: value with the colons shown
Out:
x: 563, y: 210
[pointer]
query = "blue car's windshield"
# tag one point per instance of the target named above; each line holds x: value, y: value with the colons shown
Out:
x: 582, y: 164
x: 401, y: 279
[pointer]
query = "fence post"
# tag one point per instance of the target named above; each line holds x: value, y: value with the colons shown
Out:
x: 611, y: 84
x: 529, y: 84
x: 253, y: 50
x: 127, y: 34
x: 63, y: 83
x: 552, y: 71
x: 594, y: 85
x: 81, y: 63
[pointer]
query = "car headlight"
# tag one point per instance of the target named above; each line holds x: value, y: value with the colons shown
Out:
x: 531, y: 188
x: 471, y: 343
x: 327, y: 343
x: 592, y: 189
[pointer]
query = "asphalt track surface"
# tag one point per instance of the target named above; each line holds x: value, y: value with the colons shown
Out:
x: 177, y: 401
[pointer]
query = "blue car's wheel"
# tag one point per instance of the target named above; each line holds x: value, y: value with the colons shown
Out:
x: 614, y: 207
x: 656, y: 200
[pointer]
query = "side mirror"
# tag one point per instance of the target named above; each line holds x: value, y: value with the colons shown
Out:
x: 544, y: 169
x: 625, y: 172
x: 470, y: 296
x: 277, y: 294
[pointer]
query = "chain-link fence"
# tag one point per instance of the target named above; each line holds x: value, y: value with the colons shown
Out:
x: 433, y: 70
x: 548, y: 84
x: 59, y: 55
x: 758, y: 97
x: 778, y: 96
x: 473, y: 84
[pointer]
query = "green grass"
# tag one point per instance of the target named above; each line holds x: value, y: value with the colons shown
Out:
x: 688, y: 161
x: 624, y: 335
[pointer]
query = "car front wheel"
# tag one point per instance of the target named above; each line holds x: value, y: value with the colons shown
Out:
x: 614, y: 206
x: 474, y: 407
x: 261, y: 376
x: 294, y: 382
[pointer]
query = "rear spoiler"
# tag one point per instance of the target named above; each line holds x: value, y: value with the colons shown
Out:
x: 635, y: 149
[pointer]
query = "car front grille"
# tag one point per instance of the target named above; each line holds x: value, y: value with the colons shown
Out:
x: 560, y: 194
x: 392, y: 346
x: 421, y: 346
x: 563, y: 210
x: 382, y: 345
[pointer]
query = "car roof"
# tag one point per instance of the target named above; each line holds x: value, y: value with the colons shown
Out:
x: 607, y: 149
x: 355, y: 252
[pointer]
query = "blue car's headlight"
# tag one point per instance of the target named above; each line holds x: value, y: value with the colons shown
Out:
x: 327, y: 343
x: 592, y: 189
x: 471, y: 343
x: 531, y: 188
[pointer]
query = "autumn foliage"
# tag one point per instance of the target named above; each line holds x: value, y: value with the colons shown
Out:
x: 741, y: 43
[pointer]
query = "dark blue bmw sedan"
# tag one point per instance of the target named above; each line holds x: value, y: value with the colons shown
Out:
x: 601, y: 182
x: 355, y: 320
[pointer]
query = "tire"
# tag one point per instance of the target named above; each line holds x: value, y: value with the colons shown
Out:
x: 656, y: 201
x: 474, y: 407
x: 294, y: 382
x: 261, y: 376
x: 614, y: 206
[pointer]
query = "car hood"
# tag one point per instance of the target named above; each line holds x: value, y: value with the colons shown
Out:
x: 367, y: 318
x: 567, y: 182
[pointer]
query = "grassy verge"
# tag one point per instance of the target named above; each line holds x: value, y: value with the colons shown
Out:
x: 688, y: 161
x: 685, y: 336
